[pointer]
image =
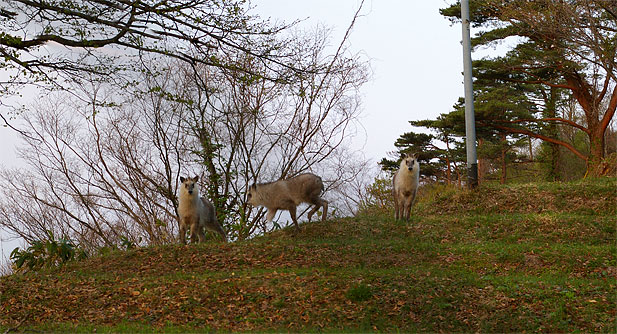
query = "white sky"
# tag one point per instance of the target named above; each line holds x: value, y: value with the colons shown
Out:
x: 415, y: 53
x: 416, y: 59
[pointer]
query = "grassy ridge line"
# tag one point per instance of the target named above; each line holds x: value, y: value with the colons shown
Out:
x: 591, y: 196
x: 453, y: 271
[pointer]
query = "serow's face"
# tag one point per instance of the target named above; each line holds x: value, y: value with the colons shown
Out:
x: 250, y: 195
x: 189, y: 184
x: 410, y: 160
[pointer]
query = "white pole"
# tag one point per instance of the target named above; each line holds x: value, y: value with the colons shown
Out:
x: 470, y: 119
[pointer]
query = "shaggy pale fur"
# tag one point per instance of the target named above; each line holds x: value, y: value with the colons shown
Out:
x: 196, y: 213
x: 288, y: 194
x: 405, y: 186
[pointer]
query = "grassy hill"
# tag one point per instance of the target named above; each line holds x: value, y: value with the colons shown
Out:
x: 535, y: 258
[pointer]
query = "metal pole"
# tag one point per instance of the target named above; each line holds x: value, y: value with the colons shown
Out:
x: 470, y: 119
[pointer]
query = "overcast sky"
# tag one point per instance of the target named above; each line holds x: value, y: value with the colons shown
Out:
x: 415, y: 55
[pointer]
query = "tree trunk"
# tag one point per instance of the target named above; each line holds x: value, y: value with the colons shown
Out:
x: 482, y: 164
x: 553, y: 132
x: 530, y: 149
x: 596, y: 152
x: 449, y: 170
x: 504, y: 150
x: 597, y: 123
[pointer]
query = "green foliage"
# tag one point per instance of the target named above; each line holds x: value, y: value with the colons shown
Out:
x: 46, y: 253
x: 126, y: 243
x: 378, y: 199
x: 479, y: 12
x: 389, y: 165
x: 433, y: 159
x: 521, y: 92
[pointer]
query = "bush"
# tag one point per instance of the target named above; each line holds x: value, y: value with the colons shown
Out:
x: 127, y: 244
x: 378, y: 198
x: 428, y: 193
x: 46, y: 253
x: 608, y: 166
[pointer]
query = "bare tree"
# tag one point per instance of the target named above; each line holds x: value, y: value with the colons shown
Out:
x: 247, y: 129
x: 195, y: 32
x: 105, y: 166
x: 98, y: 172
x: 51, y: 44
x: 350, y: 176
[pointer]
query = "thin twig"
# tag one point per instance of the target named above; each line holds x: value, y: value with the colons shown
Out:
x: 14, y: 328
x: 21, y: 132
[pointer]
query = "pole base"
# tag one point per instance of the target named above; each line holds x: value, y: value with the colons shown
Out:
x: 472, y: 175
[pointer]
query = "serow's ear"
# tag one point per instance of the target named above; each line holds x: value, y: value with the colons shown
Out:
x: 182, y: 179
x: 196, y: 178
x: 253, y: 186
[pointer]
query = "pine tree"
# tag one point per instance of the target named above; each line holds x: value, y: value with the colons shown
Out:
x: 563, y: 48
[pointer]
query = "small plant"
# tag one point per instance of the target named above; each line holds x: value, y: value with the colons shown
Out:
x: 359, y: 293
x: 46, y: 253
x: 126, y: 243
x: 378, y: 198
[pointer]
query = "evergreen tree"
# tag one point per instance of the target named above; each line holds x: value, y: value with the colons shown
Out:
x: 561, y: 45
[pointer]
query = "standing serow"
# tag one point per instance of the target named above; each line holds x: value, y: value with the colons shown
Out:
x: 405, y: 186
x: 196, y: 213
x: 288, y: 194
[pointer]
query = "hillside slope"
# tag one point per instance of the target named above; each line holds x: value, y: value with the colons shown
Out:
x: 538, y: 258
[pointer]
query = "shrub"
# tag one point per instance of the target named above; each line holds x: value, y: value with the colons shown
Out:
x: 608, y: 166
x: 46, y: 253
x: 127, y: 244
x: 429, y: 193
x: 378, y: 198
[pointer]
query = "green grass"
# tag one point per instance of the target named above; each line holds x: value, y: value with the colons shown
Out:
x: 495, y: 260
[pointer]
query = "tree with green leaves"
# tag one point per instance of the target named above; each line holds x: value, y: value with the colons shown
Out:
x: 49, y: 43
x: 496, y: 104
x: 436, y: 163
x: 450, y: 132
x: 561, y: 45
x: 447, y: 129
